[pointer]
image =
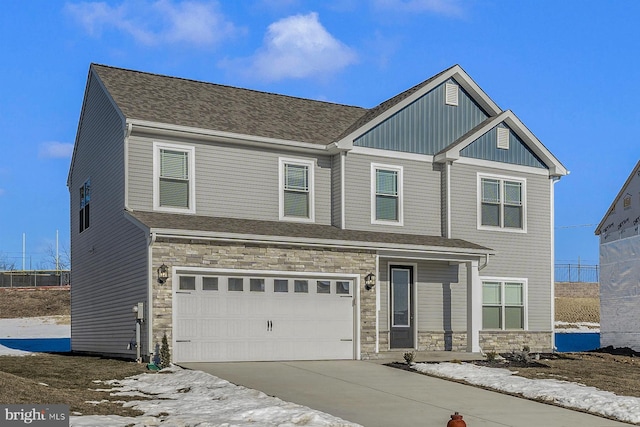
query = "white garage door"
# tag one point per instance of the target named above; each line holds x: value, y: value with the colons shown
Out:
x: 258, y: 318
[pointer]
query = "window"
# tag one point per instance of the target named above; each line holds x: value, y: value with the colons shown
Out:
x: 85, y: 198
x: 502, y: 203
x: 386, y: 194
x: 209, y: 283
x: 187, y: 283
x: 296, y: 190
x: 301, y: 286
x: 280, y: 285
x: 174, y: 186
x: 503, y: 305
x: 235, y: 284
x: 342, y: 288
x: 324, y: 287
x: 256, y: 285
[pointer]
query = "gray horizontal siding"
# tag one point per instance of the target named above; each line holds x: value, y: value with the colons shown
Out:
x: 421, y: 190
x: 109, y: 258
x: 427, y: 125
x: 518, y: 153
x: 518, y: 255
x: 231, y: 181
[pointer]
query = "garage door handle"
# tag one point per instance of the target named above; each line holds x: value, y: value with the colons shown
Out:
x: 346, y: 339
x: 269, y: 325
x: 183, y: 340
x: 178, y: 292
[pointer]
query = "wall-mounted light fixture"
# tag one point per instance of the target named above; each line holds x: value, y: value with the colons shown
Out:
x: 369, y: 281
x: 163, y: 273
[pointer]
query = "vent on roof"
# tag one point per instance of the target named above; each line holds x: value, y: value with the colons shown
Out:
x: 451, y: 94
x: 503, y: 138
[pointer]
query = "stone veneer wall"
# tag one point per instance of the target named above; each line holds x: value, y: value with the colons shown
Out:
x: 204, y: 253
x: 499, y: 341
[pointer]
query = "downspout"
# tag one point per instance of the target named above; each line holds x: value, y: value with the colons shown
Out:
x: 127, y: 134
x: 448, y: 198
x: 554, y: 179
x: 151, y: 239
x: 343, y: 162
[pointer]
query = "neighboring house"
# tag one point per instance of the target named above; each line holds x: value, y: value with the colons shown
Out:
x: 297, y: 229
x: 620, y: 267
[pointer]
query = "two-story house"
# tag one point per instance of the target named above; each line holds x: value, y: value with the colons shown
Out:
x: 257, y: 226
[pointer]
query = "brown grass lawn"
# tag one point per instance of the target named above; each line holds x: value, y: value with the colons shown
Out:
x: 34, y: 302
x: 574, y: 310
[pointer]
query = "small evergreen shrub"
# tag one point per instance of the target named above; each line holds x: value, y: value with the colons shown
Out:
x: 409, y: 357
x: 165, y: 354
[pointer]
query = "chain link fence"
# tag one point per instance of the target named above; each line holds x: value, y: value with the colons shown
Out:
x: 574, y: 273
x: 34, y: 278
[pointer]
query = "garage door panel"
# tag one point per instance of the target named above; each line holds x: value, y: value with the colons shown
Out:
x: 259, y: 324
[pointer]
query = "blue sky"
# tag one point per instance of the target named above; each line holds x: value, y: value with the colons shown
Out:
x: 568, y: 69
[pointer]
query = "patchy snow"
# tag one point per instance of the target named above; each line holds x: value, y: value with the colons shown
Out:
x: 563, y: 327
x: 563, y: 393
x: 36, y: 327
x: 181, y: 397
x: 6, y: 351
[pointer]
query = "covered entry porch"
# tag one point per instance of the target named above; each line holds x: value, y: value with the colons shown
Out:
x: 429, y: 302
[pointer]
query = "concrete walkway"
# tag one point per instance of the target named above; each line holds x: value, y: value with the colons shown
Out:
x: 375, y: 395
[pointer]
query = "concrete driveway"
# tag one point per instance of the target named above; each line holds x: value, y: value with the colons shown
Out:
x: 375, y: 395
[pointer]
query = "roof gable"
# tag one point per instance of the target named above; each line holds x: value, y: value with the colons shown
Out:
x: 189, y: 103
x: 618, y: 216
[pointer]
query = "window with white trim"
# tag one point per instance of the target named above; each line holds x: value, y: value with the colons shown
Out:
x: 296, y: 190
x: 386, y: 194
x: 503, y: 304
x: 501, y: 203
x: 174, y: 186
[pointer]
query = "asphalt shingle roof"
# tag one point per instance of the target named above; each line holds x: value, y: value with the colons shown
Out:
x: 157, y: 220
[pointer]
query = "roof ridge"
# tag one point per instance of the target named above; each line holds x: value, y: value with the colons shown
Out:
x: 224, y: 85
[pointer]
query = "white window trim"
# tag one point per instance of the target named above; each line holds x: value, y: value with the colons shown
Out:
x: 399, y: 169
x: 157, y: 146
x: 525, y: 300
x: 502, y: 178
x: 312, y: 205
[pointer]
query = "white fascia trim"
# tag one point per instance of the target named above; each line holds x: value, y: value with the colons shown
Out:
x: 157, y: 146
x: 312, y: 242
x: 163, y: 129
x: 378, y: 166
x: 311, y: 171
x: 456, y: 72
x: 502, y: 167
x: 401, y: 155
x: 525, y: 292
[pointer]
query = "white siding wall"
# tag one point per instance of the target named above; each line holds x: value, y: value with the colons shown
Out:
x: 421, y: 195
x: 231, y: 181
x: 109, y: 258
x: 518, y: 255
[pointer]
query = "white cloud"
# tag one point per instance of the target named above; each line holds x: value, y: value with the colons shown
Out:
x: 298, y: 47
x: 441, y: 7
x: 55, y: 150
x: 156, y: 22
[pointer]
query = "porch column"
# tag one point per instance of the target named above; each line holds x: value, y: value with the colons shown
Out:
x: 474, y: 307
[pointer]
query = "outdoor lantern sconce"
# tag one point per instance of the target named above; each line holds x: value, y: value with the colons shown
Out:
x: 163, y: 273
x: 369, y: 281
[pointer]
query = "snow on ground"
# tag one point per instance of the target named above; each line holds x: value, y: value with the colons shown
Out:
x: 181, y: 397
x: 563, y: 327
x: 6, y: 351
x: 36, y: 327
x: 563, y: 393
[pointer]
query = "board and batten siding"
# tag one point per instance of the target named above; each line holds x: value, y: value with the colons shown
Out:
x: 109, y: 258
x: 421, y: 195
x: 517, y: 255
x: 427, y: 125
x: 231, y: 181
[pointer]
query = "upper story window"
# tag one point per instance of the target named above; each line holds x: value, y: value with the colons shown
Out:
x: 501, y: 203
x: 503, y: 304
x: 296, y: 190
x: 173, y: 170
x: 386, y: 194
x: 85, y: 198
